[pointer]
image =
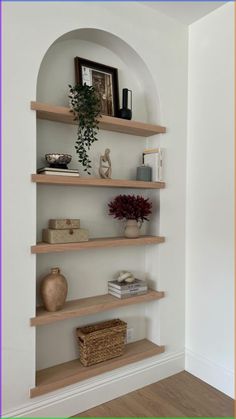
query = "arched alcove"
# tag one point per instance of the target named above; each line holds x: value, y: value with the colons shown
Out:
x: 87, y: 279
x: 57, y: 69
x: 162, y: 48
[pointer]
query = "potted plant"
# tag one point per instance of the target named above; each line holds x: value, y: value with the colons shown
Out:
x: 85, y: 104
x: 134, y: 209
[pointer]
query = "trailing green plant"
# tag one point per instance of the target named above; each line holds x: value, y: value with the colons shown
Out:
x: 86, y: 106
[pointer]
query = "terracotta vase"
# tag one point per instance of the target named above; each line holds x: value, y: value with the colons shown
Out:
x: 132, y: 229
x: 54, y: 290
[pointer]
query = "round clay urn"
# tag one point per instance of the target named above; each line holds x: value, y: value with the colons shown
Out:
x: 54, y: 290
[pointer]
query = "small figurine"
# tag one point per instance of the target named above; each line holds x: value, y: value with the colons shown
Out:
x: 105, y: 165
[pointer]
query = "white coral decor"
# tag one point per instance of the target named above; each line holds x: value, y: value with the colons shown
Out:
x: 125, y: 276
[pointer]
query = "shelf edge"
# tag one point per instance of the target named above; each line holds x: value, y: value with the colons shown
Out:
x: 95, y: 182
x: 110, y: 123
x: 95, y: 370
x: 99, y: 243
x: 99, y: 307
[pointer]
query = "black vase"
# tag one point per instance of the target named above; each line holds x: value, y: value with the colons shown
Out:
x: 125, y: 112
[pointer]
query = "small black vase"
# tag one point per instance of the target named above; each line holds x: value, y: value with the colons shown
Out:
x: 125, y: 112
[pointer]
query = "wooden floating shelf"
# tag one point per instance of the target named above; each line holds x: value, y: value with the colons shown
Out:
x: 106, y: 183
x: 90, y: 305
x: 96, y: 244
x: 108, y: 123
x: 68, y: 373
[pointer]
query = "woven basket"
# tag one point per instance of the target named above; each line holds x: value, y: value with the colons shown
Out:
x: 101, y: 341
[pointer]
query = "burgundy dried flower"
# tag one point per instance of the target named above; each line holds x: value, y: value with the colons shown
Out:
x: 130, y: 207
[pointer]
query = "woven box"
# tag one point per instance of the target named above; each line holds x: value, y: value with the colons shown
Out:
x: 61, y: 224
x: 101, y: 341
x: 65, y: 236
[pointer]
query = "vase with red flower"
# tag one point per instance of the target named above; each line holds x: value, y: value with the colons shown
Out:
x: 134, y: 209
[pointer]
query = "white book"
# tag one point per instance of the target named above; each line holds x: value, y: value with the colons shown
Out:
x: 46, y: 172
x: 57, y: 169
x: 57, y: 172
x: 115, y: 294
x: 137, y: 283
x: 130, y: 291
x: 154, y: 159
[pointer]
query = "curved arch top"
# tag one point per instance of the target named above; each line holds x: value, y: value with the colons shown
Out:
x: 104, y: 47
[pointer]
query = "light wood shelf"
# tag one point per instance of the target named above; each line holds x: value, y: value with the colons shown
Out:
x: 106, y: 183
x: 108, y: 123
x: 60, y: 376
x: 96, y: 244
x: 91, y: 305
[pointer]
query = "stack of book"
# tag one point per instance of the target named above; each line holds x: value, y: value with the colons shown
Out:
x: 57, y: 172
x: 127, y: 290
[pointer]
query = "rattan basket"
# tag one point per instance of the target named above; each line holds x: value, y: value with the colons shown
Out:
x: 101, y: 341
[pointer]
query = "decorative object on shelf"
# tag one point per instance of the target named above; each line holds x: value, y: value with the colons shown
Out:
x: 125, y: 112
x: 101, y: 341
x: 132, y: 229
x: 104, y: 79
x: 153, y: 157
x: 58, y: 160
x: 144, y: 173
x: 72, y: 235
x: 125, y: 276
x: 134, y: 209
x: 85, y: 105
x: 54, y: 290
x: 58, y: 172
x: 126, y: 290
x: 105, y: 165
x: 64, y: 231
x: 65, y: 223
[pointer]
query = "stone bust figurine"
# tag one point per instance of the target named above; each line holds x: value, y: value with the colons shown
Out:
x: 105, y: 165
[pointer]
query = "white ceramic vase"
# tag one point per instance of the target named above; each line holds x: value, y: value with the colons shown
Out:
x: 132, y: 229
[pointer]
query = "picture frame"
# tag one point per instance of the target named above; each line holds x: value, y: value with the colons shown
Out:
x: 104, y: 78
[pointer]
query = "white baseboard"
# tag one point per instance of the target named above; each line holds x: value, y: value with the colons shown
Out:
x: 78, y: 398
x: 213, y: 374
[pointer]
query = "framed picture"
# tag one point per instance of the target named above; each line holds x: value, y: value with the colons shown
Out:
x: 104, y: 79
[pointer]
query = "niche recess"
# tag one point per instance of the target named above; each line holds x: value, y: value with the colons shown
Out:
x: 87, y: 272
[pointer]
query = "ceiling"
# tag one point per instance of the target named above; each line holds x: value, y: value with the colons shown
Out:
x: 185, y: 11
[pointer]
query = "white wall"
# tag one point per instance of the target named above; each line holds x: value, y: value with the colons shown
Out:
x: 210, y: 225
x: 29, y: 30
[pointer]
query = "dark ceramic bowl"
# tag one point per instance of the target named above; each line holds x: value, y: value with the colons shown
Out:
x: 58, y: 159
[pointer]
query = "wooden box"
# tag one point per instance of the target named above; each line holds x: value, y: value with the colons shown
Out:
x: 65, y: 236
x: 101, y: 341
x: 63, y: 224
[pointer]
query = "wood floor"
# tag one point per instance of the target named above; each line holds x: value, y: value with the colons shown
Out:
x: 181, y: 395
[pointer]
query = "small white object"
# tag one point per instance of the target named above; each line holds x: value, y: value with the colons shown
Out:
x: 105, y: 165
x: 130, y: 279
x: 119, y: 276
x: 125, y: 276
x: 154, y: 159
x: 129, y: 335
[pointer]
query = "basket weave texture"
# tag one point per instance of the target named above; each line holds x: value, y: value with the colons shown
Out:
x: 101, y: 341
